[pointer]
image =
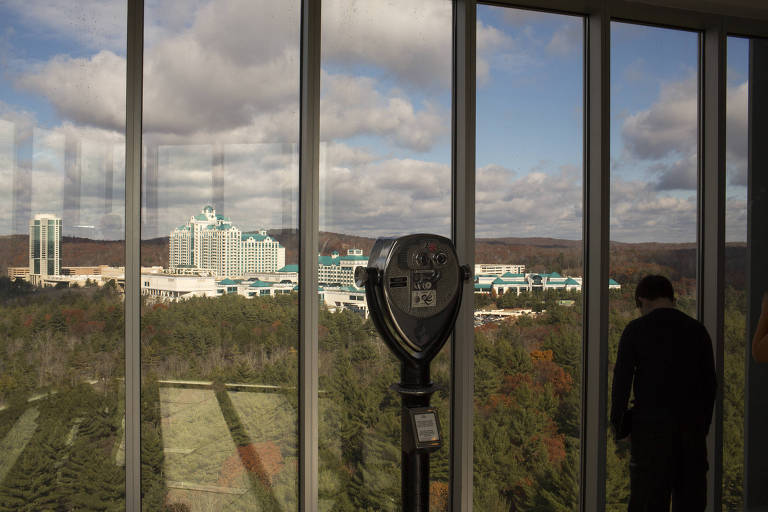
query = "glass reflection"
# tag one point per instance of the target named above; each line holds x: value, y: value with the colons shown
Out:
x: 384, y: 171
x: 219, y: 279
x: 62, y: 160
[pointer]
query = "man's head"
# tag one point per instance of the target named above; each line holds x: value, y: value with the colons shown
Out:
x: 654, y: 292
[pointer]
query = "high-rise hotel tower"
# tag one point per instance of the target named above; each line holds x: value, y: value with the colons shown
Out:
x: 44, y: 245
x: 209, y: 242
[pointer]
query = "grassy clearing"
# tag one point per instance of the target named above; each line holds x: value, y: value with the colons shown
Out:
x: 202, y: 465
x: 16, y: 440
x: 271, y: 423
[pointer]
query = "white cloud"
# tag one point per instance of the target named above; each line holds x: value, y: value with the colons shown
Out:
x: 567, y: 39
x: 490, y: 41
x: 72, y: 171
x: 664, y: 137
x: 668, y: 127
x: 239, y: 84
x: 737, y: 133
x: 89, y: 91
x: 543, y: 202
x: 736, y: 219
x: 409, y: 40
x: 351, y: 105
x: 344, y: 155
x: 386, y: 197
x: 640, y: 213
x: 678, y: 174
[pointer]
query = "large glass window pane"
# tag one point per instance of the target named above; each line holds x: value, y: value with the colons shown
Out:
x: 654, y: 162
x: 528, y: 260
x: 734, y: 321
x: 219, y: 253
x: 62, y: 160
x: 384, y: 171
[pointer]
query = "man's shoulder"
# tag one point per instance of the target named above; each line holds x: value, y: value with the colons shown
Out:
x: 685, y: 318
x: 664, y: 316
x: 672, y: 318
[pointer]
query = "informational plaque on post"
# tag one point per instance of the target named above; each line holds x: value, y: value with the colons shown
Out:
x: 426, y: 427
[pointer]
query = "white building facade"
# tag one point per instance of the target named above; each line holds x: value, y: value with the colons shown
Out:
x: 521, y: 283
x: 44, y: 246
x: 210, y: 244
x: 340, y: 270
x: 498, y: 269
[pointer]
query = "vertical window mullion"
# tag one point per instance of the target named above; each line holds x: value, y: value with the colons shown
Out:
x: 133, y: 120
x: 711, y: 244
x: 463, y: 232
x: 596, y: 232
x: 309, y: 199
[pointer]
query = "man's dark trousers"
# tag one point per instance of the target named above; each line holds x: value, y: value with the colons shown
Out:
x: 667, y: 460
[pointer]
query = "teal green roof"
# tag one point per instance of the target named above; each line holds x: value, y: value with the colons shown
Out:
x: 228, y: 281
x: 255, y: 236
x: 354, y: 258
x: 553, y: 274
x: 208, y: 208
x: 221, y: 217
x: 571, y: 281
x: 327, y: 260
x: 289, y: 268
x: 261, y: 284
x: 517, y: 282
x: 482, y: 286
x: 201, y: 216
x: 510, y: 274
x: 612, y: 282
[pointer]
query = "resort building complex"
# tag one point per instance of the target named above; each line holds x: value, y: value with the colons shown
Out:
x: 210, y: 244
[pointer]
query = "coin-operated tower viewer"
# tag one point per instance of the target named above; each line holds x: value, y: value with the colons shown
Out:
x: 413, y: 286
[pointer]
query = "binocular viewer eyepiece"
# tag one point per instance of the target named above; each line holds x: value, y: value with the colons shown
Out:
x: 413, y: 286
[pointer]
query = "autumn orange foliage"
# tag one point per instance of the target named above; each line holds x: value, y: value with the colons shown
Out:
x: 438, y: 496
x: 262, y: 460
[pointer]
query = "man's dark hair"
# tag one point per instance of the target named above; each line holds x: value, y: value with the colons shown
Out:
x: 654, y: 287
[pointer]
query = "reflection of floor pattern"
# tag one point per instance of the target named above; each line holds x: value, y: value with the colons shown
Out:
x: 16, y: 440
x: 271, y: 423
x: 197, y: 446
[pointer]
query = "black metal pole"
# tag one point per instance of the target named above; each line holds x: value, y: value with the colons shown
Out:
x: 416, y: 390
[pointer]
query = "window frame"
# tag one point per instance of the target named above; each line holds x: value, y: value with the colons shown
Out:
x: 597, y: 14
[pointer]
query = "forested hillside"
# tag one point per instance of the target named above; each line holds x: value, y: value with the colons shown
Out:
x: 213, y: 437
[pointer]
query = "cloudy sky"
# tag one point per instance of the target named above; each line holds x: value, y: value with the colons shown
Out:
x: 221, y: 85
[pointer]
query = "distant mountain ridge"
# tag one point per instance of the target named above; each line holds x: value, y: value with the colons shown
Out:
x: 628, y: 260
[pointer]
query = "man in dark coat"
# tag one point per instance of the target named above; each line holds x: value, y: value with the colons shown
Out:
x: 666, y: 358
